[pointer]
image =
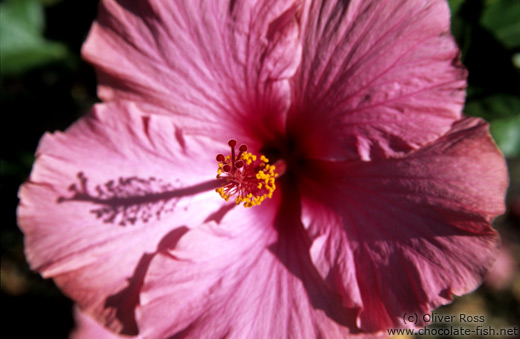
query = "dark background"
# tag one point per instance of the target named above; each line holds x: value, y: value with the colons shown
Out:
x: 45, y: 86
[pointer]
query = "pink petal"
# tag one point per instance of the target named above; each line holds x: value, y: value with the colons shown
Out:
x: 402, y: 235
x: 225, y: 62
x: 144, y: 180
x: 503, y: 272
x: 377, y: 78
x: 242, y: 278
x: 88, y: 328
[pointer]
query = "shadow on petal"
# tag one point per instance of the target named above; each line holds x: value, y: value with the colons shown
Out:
x: 130, y: 199
x: 293, y: 251
x: 125, y: 301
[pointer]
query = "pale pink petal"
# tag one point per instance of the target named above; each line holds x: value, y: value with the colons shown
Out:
x: 377, y: 78
x: 88, y: 328
x: 104, y: 194
x: 250, y: 276
x: 402, y: 235
x: 221, y: 61
x: 504, y: 269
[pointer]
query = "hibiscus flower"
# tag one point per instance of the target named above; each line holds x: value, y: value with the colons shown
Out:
x: 354, y: 190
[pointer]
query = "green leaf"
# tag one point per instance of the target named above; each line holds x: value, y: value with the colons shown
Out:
x: 455, y: 5
x: 507, y: 135
x: 502, y: 18
x: 516, y: 60
x: 22, y: 45
x: 494, y: 106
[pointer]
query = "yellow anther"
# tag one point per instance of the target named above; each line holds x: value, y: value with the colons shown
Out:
x: 251, y: 182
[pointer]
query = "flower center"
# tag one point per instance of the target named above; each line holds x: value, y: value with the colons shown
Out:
x: 249, y: 179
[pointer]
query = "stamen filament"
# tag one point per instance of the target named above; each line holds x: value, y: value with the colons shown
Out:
x: 251, y: 181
